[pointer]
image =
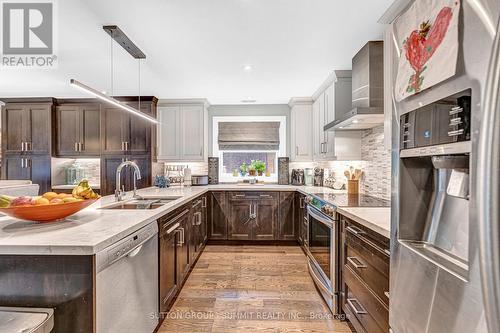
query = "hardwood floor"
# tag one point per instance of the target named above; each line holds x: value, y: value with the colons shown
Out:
x: 250, y: 289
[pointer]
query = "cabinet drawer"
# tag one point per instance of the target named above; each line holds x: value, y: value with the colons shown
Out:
x: 369, y: 262
x: 362, y: 306
x: 249, y: 195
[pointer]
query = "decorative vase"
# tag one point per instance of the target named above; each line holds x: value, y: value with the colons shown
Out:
x: 251, y: 172
x: 260, y: 173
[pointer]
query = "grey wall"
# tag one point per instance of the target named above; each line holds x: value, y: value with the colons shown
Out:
x: 248, y: 110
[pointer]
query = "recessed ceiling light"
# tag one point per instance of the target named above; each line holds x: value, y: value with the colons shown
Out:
x: 248, y: 68
x: 248, y: 100
x: 355, y: 121
x: 341, y: 127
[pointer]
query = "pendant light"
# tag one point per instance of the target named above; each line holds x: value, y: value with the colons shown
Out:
x: 118, y: 35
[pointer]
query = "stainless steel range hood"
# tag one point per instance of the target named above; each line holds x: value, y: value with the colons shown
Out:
x: 367, y: 91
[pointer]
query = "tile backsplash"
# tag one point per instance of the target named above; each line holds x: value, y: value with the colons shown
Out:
x: 375, y: 163
x: 91, y: 167
x: 377, y: 177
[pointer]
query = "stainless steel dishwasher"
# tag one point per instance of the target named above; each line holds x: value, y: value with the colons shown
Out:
x: 127, y: 283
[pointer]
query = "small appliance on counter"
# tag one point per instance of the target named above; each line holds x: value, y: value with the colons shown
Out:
x: 297, y: 177
x: 199, y: 180
x: 319, y: 175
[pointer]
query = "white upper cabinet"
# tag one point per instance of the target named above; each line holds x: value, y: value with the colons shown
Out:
x: 183, y: 131
x: 301, y: 129
x: 334, y: 97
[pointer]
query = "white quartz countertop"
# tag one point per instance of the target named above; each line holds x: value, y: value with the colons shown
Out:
x: 93, y: 229
x: 377, y: 219
x: 70, y: 187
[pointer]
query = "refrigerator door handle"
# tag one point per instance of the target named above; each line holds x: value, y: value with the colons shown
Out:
x: 487, y: 190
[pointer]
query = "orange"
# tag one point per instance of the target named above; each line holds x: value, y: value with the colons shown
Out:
x: 42, y: 201
x: 50, y: 195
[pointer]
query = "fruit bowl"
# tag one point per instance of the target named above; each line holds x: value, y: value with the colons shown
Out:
x: 46, y: 213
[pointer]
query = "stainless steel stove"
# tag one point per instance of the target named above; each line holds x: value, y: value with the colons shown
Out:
x: 323, y: 240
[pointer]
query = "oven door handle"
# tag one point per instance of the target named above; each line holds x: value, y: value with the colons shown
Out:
x: 317, y: 280
x: 321, y: 218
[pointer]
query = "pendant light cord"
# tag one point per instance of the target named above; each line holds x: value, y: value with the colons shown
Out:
x: 112, y: 64
x: 139, y: 84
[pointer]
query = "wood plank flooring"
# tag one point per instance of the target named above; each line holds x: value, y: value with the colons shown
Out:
x: 251, y: 289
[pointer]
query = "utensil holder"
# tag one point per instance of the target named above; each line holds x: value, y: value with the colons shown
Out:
x: 352, y: 186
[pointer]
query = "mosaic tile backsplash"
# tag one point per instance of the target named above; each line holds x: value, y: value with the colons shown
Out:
x: 377, y: 175
x: 375, y: 163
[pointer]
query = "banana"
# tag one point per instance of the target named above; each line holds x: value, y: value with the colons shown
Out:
x: 84, y: 191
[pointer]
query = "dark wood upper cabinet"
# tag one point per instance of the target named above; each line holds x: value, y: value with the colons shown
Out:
x: 78, y: 130
x: 27, y: 128
x: 126, y: 133
x: 114, y: 130
x: 217, y: 216
x: 90, y: 130
x: 287, y: 221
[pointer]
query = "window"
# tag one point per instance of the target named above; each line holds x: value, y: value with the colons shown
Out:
x: 238, y: 140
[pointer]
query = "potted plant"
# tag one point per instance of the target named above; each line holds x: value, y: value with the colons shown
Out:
x: 251, y: 169
x: 243, y: 169
x: 260, y: 167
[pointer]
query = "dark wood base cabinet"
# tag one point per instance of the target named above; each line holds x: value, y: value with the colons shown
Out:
x: 182, y: 237
x: 365, y: 277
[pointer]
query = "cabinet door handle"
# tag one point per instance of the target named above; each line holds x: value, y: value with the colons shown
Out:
x: 355, y: 230
x: 296, y: 150
x: 386, y: 293
x: 181, y: 230
x: 239, y: 195
x: 169, y: 231
x: 265, y: 196
x: 204, y: 205
x: 22, y: 163
x: 301, y: 202
x: 82, y: 146
x: 359, y: 309
x: 22, y: 146
x: 126, y: 145
x: 356, y: 262
x: 76, y: 146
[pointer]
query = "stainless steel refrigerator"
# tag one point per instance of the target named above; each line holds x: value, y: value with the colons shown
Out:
x: 445, y: 260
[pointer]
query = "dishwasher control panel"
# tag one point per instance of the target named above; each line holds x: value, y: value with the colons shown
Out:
x: 125, y: 246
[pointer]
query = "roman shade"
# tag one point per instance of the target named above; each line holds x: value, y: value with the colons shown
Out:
x: 249, y: 135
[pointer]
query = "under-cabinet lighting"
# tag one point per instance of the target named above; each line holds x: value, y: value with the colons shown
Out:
x: 111, y: 100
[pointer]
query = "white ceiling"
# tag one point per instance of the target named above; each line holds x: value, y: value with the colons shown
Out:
x: 198, y: 48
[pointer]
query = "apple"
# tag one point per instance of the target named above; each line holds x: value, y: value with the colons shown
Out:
x: 21, y: 201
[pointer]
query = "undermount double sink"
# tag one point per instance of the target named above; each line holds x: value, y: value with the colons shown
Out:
x: 141, y: 204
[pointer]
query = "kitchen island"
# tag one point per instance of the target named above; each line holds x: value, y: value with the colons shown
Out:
x: 54, y: 264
